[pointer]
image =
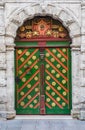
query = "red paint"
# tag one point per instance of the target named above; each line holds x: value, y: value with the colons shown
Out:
x: 41, y: 44
x: 42, y: 104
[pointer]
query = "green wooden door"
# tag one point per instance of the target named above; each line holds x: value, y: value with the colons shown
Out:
x: 57, y: 81
x: 43, y: 80
x: 27, y: 81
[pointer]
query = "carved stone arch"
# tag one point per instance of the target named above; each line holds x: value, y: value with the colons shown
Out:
x: 68, y: 20
x: 62, y: 14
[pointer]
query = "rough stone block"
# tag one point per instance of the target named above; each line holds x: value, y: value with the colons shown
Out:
x: 2, y: 61
x: 2, y: 107
x: 82, y: 115
x: 2, y: 48
x: 11, y: 29
x: 2, y: 30
x: 2, y: 78
x: 75, y: 29
x: 83, y: 60
x: 82, y: 90
x: 82, y: 41
x: 75, y: 113
x: 9, y: 41
x: 83, y: 48
x: 76, y: 41
x: 3, y: 96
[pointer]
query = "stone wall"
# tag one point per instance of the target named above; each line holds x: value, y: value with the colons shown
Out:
x: 12, y: 15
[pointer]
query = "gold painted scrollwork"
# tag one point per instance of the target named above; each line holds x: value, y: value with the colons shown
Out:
x: 42, y: 27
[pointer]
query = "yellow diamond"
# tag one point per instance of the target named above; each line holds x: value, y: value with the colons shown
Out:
x: 20, y: 72
x: 36, y: 78
x: 63, y: 71
x: 29, y: 96
x: 23, y: 79
x: 63, y: 104
x: 58, y: 99
x: 36, y: 67
x: 27, y: 53
x: 52, y: 59
x: 22, y: 103
x: 63, y: 81
x: 63, y: 59
x: 48, y: 88
x: 36, y: 89
x: 47, y: 66
x: 29, y: 62
x: 64, y: 50
x: 54, y: 50
x: 22, y: 59
x: 64, y: 93
x: 52, y: 71
x: 59, y: 88
x: 58, y: 65
x: 48, y: 99
x: 34, y: 57
x: 47, y: 54
x: 57, y: 75
x: 35, y: 101
x: 22, y: 93
x: 48, y: 77
x: 58, y: 55
x: 19, y: 51
x: 53, y: 93
x: 25, y: 66
x: 53, y: 83
x: 29, y: 85
x: 31, y: 106
x: 53, y: 104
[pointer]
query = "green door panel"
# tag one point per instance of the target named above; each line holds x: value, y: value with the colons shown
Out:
x: 27, y: 81
x: 57, y: 81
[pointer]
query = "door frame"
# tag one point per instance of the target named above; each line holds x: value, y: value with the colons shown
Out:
x: 42, y: 43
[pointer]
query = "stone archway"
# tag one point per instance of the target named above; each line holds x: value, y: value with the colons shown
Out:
x: 69, y: 21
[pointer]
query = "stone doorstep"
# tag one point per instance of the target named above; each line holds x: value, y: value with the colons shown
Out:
x: 43, y: 117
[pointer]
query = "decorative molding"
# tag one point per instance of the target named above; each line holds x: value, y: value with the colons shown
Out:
x: 61, y: 13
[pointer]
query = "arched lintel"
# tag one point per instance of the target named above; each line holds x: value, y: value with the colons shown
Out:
x: 63, y: 15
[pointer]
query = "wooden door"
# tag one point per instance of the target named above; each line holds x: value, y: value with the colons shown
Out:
x: 43, y: 79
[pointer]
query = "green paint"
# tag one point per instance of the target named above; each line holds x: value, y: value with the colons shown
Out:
x: 55, y: 109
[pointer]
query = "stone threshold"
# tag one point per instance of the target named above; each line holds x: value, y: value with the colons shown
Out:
x: 43, y: 117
